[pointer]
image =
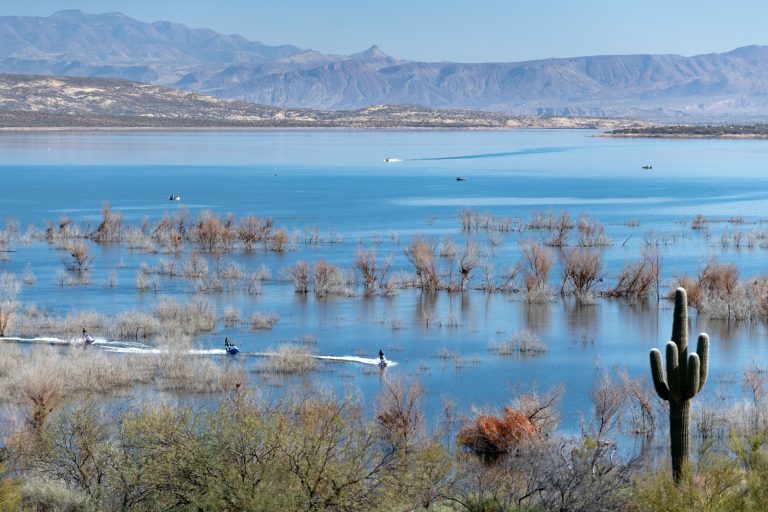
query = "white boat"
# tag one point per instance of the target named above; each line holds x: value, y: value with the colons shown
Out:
x: 174, y: 197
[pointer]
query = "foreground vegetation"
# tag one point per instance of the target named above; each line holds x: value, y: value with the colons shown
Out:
x: 315, y: 451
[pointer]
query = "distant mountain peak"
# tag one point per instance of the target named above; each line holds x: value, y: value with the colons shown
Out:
x: 67, y: 13
x: 372, y: 54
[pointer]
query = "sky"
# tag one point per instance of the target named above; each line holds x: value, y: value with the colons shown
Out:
x: 456, y: 30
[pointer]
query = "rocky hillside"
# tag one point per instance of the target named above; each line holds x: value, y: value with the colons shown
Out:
x: 723, y: 86
x: 41, y: 101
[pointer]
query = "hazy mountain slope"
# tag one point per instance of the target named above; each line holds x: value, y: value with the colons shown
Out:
x: 41, y: 101
x: 72, y: 43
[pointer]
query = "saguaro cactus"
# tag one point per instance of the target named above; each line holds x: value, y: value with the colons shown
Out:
x: 685, y: 376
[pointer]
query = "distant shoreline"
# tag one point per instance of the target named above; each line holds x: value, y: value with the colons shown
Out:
x: 730, y: 131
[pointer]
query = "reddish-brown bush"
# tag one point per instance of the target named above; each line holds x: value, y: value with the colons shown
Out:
x: 491, y: 435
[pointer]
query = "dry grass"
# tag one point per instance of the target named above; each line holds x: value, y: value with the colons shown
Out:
x: 63, y: 371
x: 522, y: 342
x: 288, y: 359
x: 263, y: 321
x: 9, y: 290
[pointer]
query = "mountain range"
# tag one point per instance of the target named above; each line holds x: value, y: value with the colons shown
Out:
x: 725, y: 86
x: 36, y: 101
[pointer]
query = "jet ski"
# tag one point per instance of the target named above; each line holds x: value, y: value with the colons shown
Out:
x: 232, y: 350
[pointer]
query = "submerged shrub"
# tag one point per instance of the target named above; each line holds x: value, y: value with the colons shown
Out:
x: 263, y: 321
x: 288, y: 359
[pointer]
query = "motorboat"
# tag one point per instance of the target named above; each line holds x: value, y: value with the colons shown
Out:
x: 174, y: 197
x: 461, y: 178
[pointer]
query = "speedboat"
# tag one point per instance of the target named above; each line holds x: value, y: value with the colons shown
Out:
x: 174, y: 197
x: 648, y: 167
x: 461, y: 178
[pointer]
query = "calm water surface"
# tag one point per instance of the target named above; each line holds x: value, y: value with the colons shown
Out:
x: 338, y: 182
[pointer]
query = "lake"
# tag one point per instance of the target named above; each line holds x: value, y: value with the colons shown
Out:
x: 338, y: 182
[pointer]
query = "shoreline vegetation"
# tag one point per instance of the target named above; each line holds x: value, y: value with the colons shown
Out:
x: 710, y: 131
x: 86, y: 430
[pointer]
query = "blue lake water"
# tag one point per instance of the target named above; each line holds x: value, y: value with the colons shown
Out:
x: 338, y: 181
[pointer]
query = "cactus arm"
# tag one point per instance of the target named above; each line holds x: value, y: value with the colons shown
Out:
x: 702, y: 349
x: 659, y: 382
x: 673, y: 371
x: 693, y: 376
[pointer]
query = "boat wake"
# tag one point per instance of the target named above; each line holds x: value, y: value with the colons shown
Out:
x: 134, y: 347
x: 526, y: 151
x: 355, y: 359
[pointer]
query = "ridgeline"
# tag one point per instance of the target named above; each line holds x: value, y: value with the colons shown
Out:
x: 36, y: 102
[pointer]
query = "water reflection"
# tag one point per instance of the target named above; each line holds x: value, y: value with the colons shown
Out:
x: 582, y: 318
x: 537, y: 316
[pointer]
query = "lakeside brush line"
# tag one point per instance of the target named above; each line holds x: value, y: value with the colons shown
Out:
x: 129, y: 347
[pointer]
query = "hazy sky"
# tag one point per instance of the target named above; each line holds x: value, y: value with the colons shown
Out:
x: 457, y: 30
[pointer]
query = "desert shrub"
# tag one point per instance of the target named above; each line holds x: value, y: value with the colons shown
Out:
x: 10, y: 491
x: 536, y: 262
x: 328, y: 279
x: 421, y: 254
x: 251, y: 230
x: 637, y: 280
x: 582, y: 270
x: 468, y: 262
x: 9, y: 290
x: 263, y: 321
x: 39, y: 493
x: 196, y: 267
x: 371, y: 272
x: 212, y: 233
x: 232, y: 317
x: 278, y: 240
x: 592, y: 233
x: 301, y: 276
x: 506, y: 282
x: 109, y: 229
x: 78, y: 257
x: 494, y: 436
x: 699, y: 222
x: 559, y: 228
